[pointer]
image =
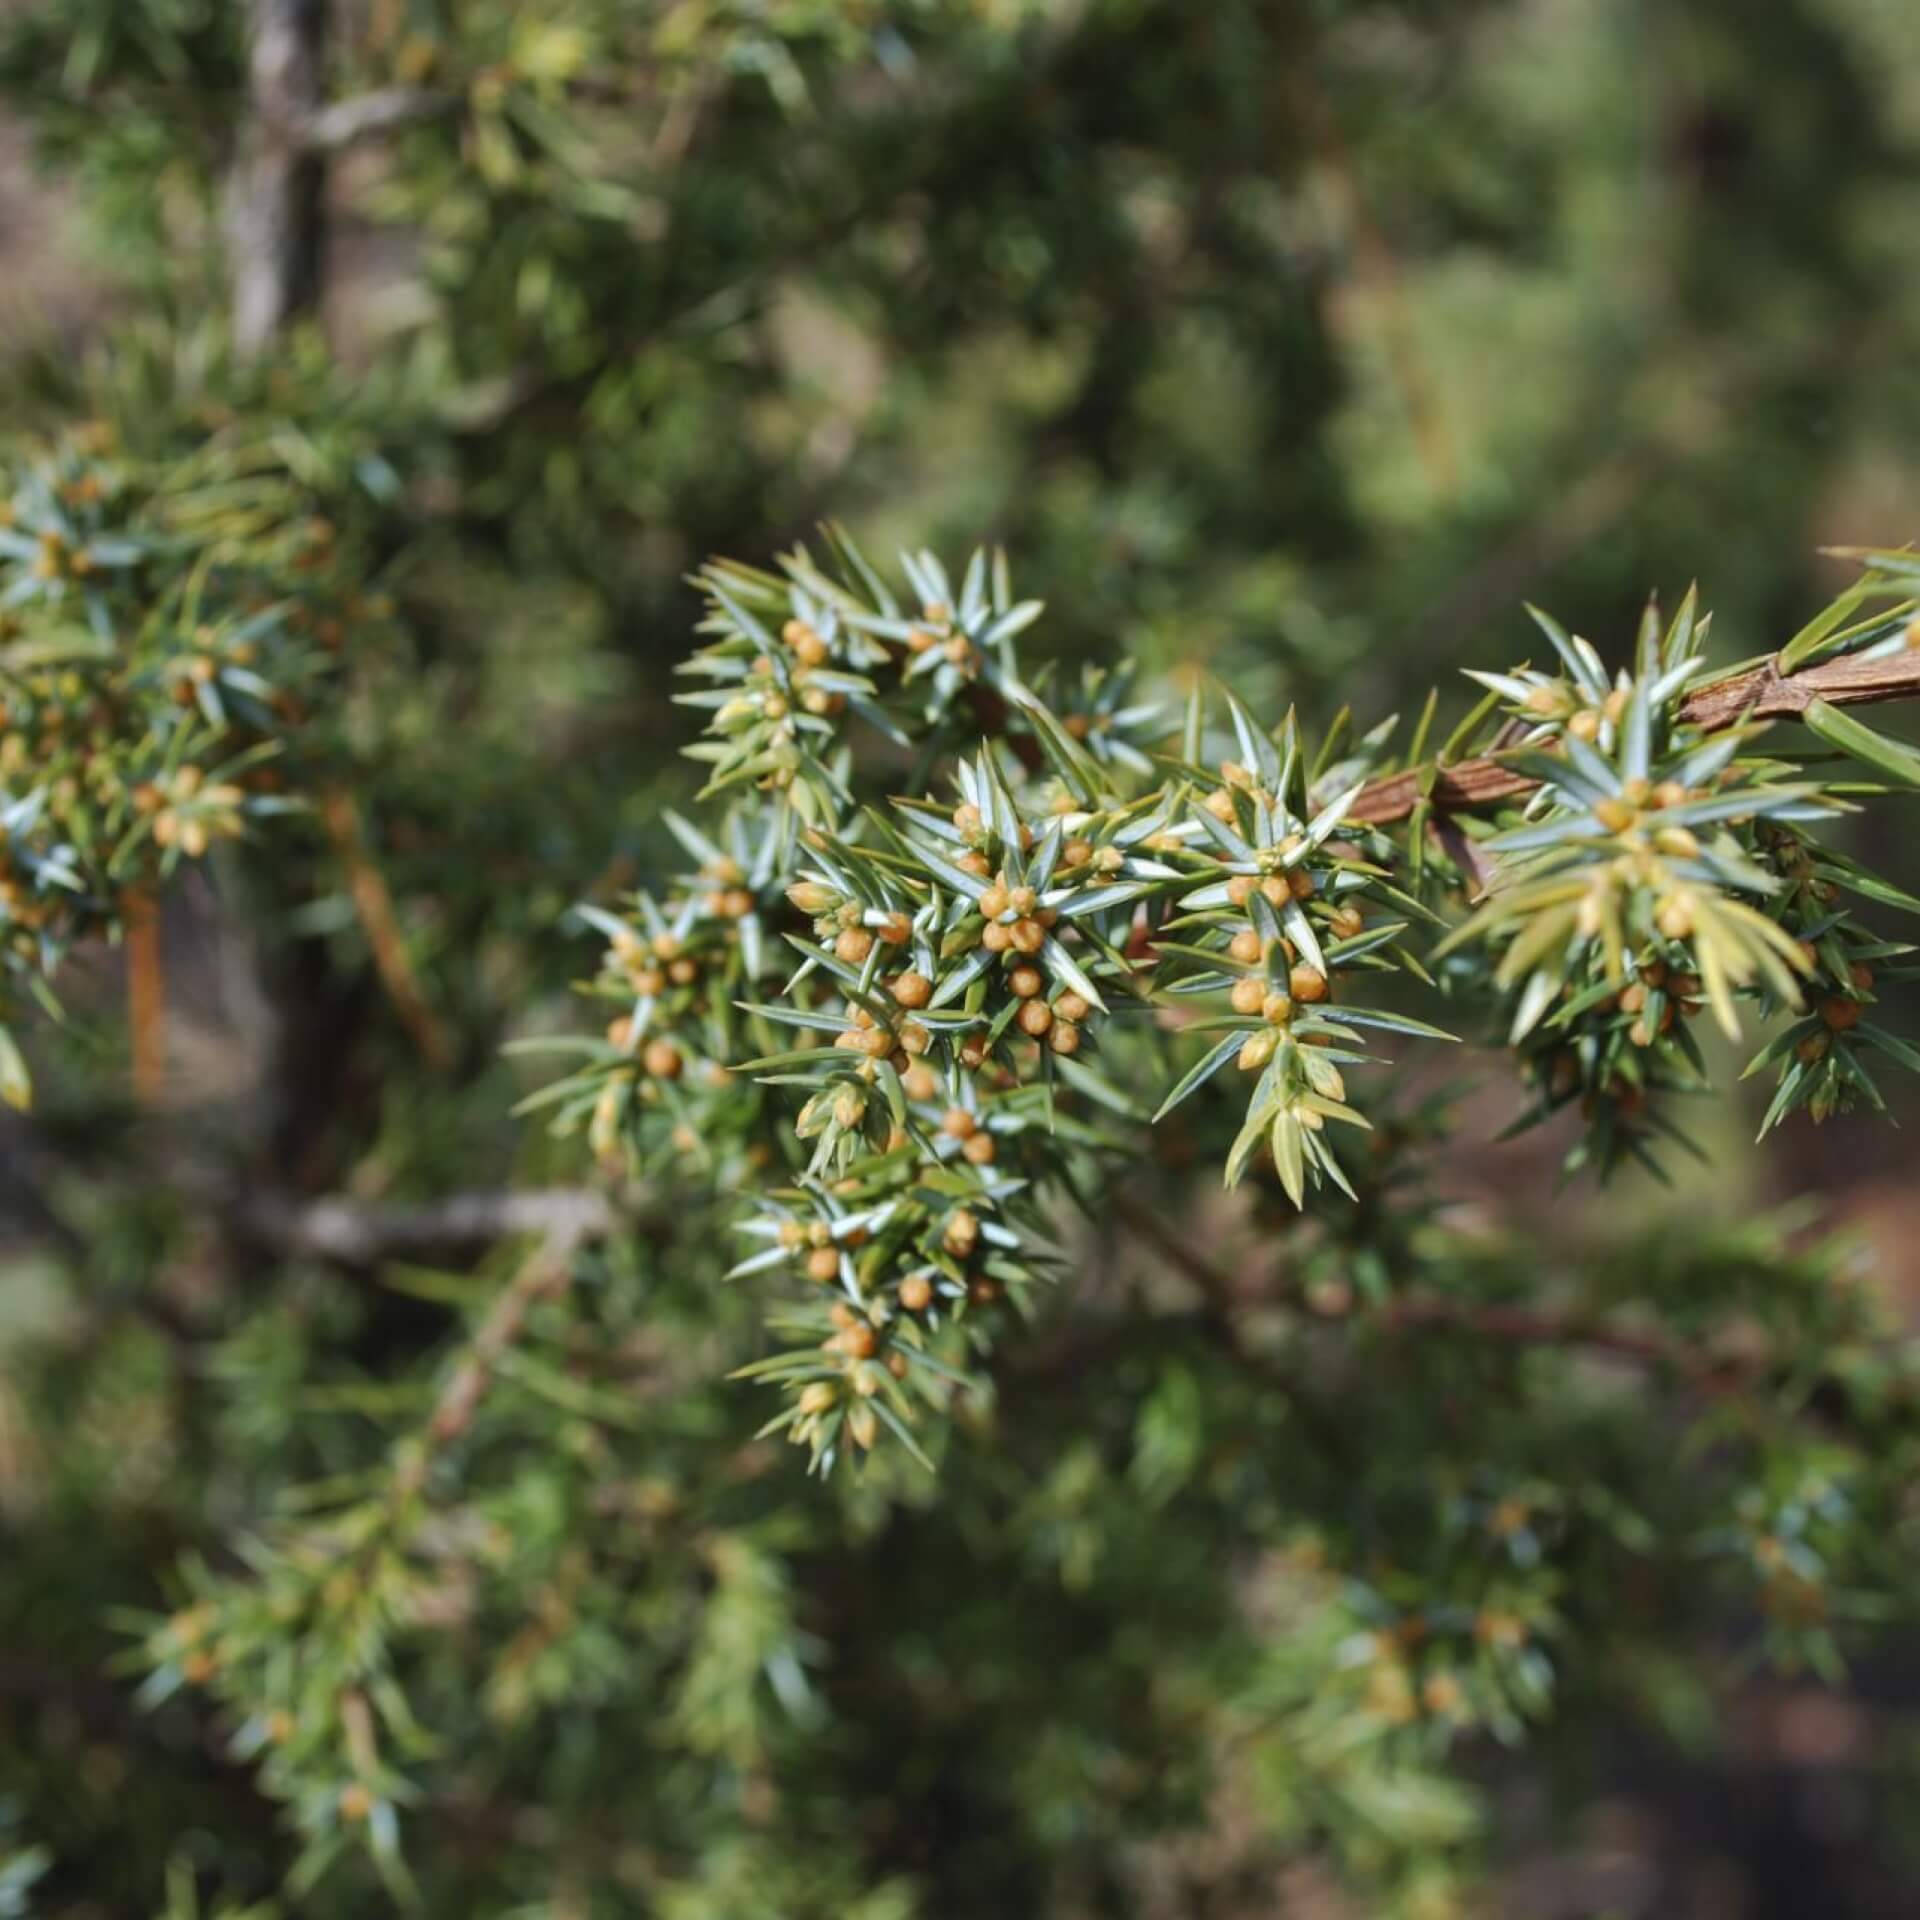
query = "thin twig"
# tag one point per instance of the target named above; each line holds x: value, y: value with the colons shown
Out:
x: 543, y: 1273
x: 373, y: 904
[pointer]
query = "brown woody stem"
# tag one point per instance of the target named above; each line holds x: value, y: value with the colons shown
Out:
x: 1759, y: 693
x: 146, y: 998
x: 373, y: 904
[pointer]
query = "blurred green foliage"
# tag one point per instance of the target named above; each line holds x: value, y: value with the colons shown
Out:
x: 1289, y: 339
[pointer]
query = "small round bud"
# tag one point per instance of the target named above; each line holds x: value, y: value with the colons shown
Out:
x: 1247, y: 994
x: 1076, y: 853
x: 996, y: 938
x: 1035, y: 1017
x: 981, y: 1149
x: 356, y: 1802
x: 1840, y: 1014
x: 912, y: 990
x: 1072, y: 1006
x: 1308, y: 984
x: 993, y: 902
x: 662, y: 1060
x: 958, y: 1124
x: 816, y: 1398
x: 1029, y: 936
x: 1064, y: 1038
x: 823, y: 1265
x: 1346, y: 922
x: 920, y: 1083
x: 916, y: 1293
x: 1026, y: 981
x: 806, y: 643
x: 1245, y: 947
x: 852, y: 946
x: 1276, y: 1009
x: 1240, y: 889
x: 1675, y: 918
x: 1256, y: 1051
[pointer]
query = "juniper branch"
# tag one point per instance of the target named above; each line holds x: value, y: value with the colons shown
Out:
x: 1756, y: 693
